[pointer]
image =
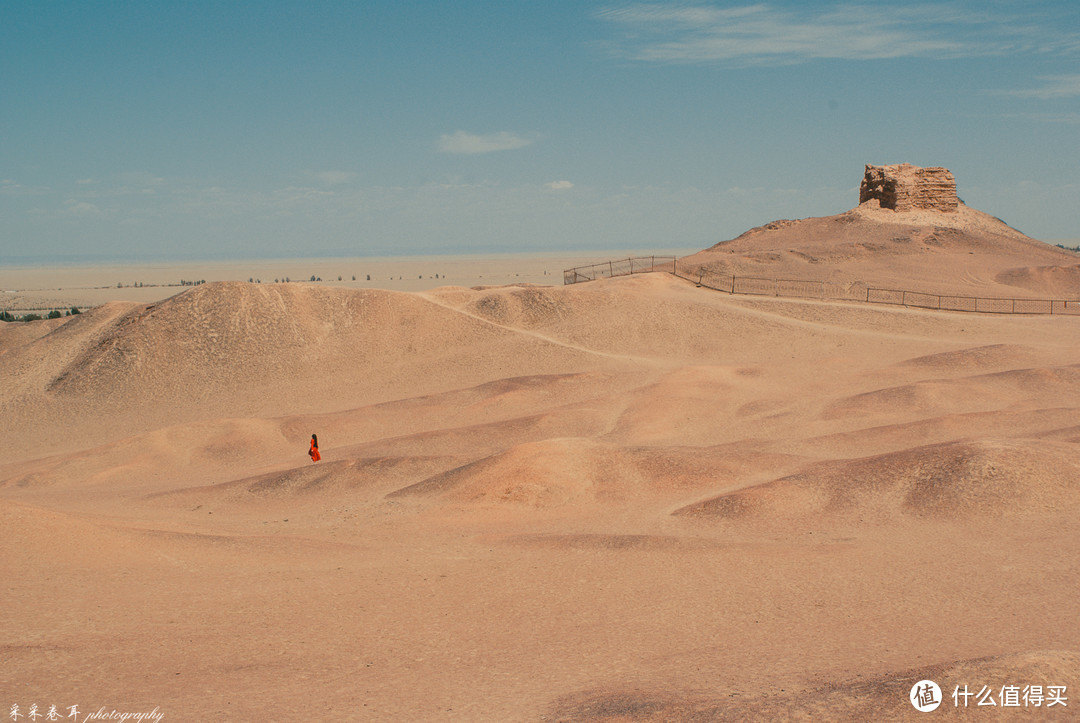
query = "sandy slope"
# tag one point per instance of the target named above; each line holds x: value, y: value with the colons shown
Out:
x: 632, y: 499
x: 966, y: 252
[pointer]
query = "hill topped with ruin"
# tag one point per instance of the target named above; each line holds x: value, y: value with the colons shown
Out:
x: 910, y: 231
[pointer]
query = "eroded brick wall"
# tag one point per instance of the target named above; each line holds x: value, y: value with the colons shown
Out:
x: 904, y: 187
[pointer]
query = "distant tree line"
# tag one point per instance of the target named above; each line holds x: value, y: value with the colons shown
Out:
x: 54, y: 314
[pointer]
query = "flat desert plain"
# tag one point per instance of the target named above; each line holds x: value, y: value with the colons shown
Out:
x: 36, y: 289
x: 631, y: 499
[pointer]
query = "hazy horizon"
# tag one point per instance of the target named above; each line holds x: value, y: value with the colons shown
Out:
x: 77, y: 260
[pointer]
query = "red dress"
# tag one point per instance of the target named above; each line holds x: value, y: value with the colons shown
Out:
x: 314, y: 452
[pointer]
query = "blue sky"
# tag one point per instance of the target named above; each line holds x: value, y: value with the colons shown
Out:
x: 140, y: 130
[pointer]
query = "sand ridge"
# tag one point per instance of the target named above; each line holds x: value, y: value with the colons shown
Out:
x: 951, y: 481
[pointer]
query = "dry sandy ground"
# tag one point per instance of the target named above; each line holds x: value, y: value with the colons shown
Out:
x: 625, y: 500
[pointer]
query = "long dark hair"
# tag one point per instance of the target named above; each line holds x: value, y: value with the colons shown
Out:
x: 315, y: 441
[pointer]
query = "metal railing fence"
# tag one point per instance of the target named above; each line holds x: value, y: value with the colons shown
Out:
x: 807, y: 289
x: 622, y: 267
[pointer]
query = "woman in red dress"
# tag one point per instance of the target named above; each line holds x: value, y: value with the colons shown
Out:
x: 314, y: 451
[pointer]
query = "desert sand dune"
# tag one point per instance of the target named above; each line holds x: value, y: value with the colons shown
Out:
x: 220, y: 349
x: 212, y: 449
x: 1045, y: 423
x: 16, y: 335
x: 308, y: 484
x: 574, y: 472
x: 631, y: 499
x: 1065, y: 434
x: 1057, y: 281
x: 1012, y: 388
x: 985, y: 357
x: 950, y: 481
x: 553, y: 473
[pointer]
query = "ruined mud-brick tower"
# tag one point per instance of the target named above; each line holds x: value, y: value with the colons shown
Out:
x: 904, y: 187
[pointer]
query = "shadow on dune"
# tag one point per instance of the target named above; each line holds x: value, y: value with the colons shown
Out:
x: 949, y: 481
x: 565, y: 471
x: 1051, y: 386
x: 338, y: 477
x: 882, y: 699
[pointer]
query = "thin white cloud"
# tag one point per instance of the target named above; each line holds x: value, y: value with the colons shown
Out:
x: 471, y: 143
x: 761, y: 34
x: 11, y: 187
x: 74, y: 207
x: 1066, y: 118
x: 332, y: 178
x: 140, y: 179
x: 560, y: 185
x: 1053, y: 86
